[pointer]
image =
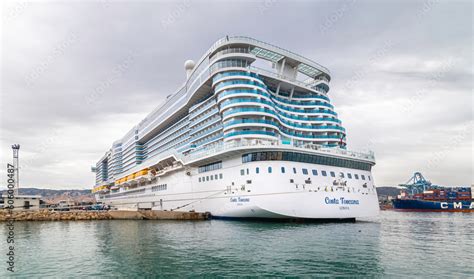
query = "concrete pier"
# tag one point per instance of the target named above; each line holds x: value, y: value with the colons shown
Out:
x: 46, y: 215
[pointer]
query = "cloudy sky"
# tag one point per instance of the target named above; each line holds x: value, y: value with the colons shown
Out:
x: 76, y: 76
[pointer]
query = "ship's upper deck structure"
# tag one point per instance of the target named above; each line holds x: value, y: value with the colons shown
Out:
x: 241, y: 93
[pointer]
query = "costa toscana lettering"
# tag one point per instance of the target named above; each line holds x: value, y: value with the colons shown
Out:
x: 239, y: 199
x: 456, y: 205
x: 341, y: 200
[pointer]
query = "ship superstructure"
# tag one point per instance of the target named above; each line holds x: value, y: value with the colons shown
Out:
x: 251, y: 133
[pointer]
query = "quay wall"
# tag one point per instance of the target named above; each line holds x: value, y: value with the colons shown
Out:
x: 47, y: 215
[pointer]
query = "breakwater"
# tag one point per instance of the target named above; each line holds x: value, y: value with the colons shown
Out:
x: 47, y: 215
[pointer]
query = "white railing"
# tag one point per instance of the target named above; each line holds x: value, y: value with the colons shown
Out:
x: 268, y: 46
x: 308, y: 85
x: 229, y: 51
x: 228, y: 146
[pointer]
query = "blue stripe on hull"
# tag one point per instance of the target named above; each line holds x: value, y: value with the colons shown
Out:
x: 433, y: 205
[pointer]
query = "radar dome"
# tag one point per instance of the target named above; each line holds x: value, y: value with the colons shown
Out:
x: 188, y: 67
x: 189, y: 64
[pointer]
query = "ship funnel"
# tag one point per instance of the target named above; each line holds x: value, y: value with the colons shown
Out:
x: 188, y: 67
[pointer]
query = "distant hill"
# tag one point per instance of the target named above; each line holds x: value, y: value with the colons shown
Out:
x: 54, y: 196
x: 388, y: 191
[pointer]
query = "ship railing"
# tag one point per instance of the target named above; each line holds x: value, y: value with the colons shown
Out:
x: 304, y: 84
x: 228, y: 51
x: 226, y: 146
x: 271, y: 47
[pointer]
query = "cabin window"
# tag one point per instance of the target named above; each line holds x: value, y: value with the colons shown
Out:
x: 362, y: 176
x: 242, y: 172
x: 305, y: 158
x: 356, y: 176
x: 324, y: 173
x: 305, y: 171
x: 210, y: 167
x: 315, y: 172
x: 220, y: 175
x: 257, y: 170
x: 269, y: 169
x: 282, y: 169
x: 349, y: 175
x: 333, y: 174
x: 294, y: 170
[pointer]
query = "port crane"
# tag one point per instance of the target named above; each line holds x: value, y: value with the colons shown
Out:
x: 417, y: 184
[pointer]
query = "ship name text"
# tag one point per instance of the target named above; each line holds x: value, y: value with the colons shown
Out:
x: 340, y: 200
x: 456, y: 205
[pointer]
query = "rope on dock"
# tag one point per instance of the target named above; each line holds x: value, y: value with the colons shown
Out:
x: 179, y: 207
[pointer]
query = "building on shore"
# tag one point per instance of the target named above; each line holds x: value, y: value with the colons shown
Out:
x: 22, y: 202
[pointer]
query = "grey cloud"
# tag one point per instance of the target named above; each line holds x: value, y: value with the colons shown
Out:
x: 127, y: 56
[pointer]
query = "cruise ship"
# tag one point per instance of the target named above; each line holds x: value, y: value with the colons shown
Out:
x: 251, y: 133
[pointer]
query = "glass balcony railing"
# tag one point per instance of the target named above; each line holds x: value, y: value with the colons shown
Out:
x: 229, y: 50
x: 202, y: 109
x: 240, y: 91
x: 250, y: 132
x: 255, y: 75
x: 265, y: 110
x: 268, y: 95
x: 304, y: 84
x: 268, y: 133
x: 205, y: 133
x: 270, y: 122
x: 245, y: 65
x: 242, y: 100
x: 203, y: 117
x: 206, y: 141
x: 236, y: 73
x: 250, y: 121
x: 289, y: 133
x: 308, y: 103
x: 239, y: 82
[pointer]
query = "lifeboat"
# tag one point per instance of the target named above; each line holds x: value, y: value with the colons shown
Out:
x: 104, y: 190
x: 99, y: 188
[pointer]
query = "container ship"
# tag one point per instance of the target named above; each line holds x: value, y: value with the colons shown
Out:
x: 251, y: 133
x: 420, y: 195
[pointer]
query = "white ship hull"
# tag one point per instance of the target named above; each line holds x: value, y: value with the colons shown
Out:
x: 263, y: 195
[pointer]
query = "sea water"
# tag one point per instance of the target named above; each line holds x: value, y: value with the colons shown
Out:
x: 395, y: 244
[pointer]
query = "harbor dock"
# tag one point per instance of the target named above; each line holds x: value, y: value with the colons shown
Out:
x: 76, y: 215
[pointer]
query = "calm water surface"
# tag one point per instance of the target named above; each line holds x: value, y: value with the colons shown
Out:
x: 392, y: 245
